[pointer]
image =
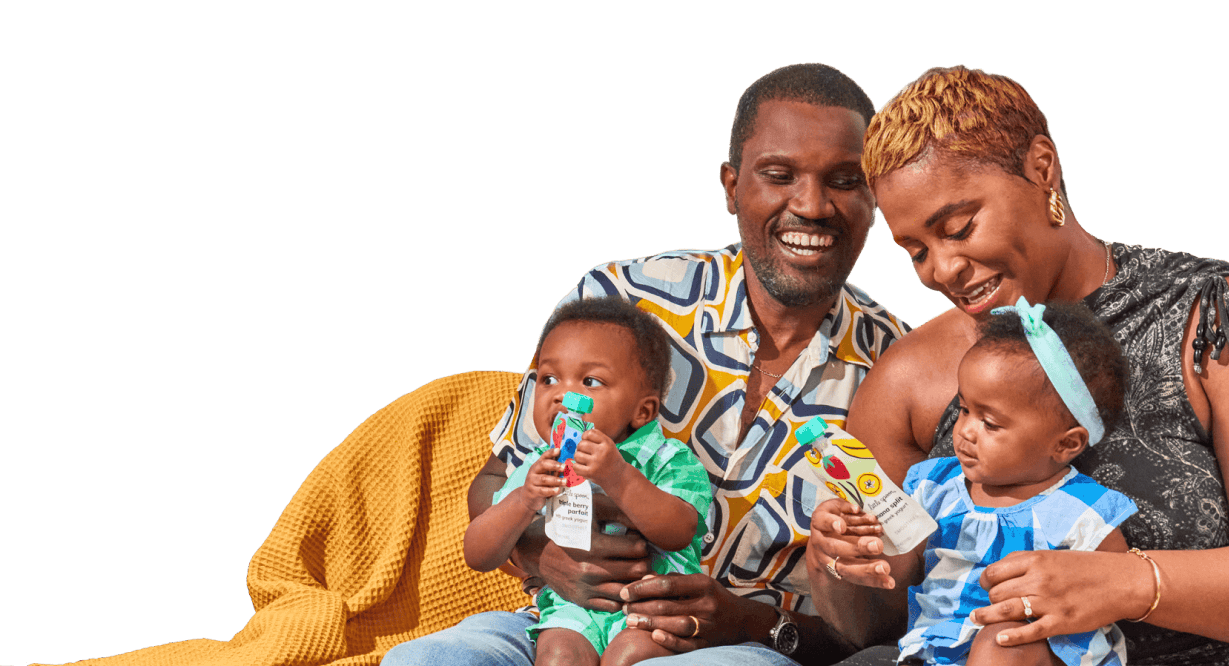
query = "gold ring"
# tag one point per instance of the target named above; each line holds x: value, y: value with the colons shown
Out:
x: 1028, y: 609
x: 697, y: 630
x: 831, y: 566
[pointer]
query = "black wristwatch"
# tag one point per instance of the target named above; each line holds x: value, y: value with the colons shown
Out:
x: 785, y: 635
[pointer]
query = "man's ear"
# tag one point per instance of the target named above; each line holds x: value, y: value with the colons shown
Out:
x: 1041, y: 165
x: 729, y: 180
x: 646, y: 411
x: 1071, y: 444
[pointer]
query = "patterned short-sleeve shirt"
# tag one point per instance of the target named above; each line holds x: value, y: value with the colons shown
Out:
x: 763, y: 491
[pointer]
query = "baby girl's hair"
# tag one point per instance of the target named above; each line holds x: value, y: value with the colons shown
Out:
x: 652, y: 342
x: 1097, y: 355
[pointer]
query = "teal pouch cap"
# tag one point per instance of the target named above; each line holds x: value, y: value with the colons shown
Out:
x: 577, y: 402
x: 809, y: 432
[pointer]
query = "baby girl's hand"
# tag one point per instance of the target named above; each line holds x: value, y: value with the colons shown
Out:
x: 598, y: 458
x: 543, y: 481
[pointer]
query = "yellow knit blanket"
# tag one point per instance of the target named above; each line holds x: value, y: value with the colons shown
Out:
x: 368, y: 552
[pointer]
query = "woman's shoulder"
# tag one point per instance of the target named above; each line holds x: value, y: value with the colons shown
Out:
x: 939, y: 344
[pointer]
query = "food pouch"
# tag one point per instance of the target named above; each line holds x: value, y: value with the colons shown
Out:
x: 569, y: 515
x: 566, y: 431
x: 847, y: 469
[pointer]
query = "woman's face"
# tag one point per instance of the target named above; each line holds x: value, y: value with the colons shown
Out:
x: 979, y: 235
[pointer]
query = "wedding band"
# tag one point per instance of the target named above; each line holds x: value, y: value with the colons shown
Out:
x: 697, y: 630
x: 1028, y: 609
x: 831, y: 566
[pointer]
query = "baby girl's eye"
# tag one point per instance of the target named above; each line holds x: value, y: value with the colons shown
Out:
x: 592, y: 382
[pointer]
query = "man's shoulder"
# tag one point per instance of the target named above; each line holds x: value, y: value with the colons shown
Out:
x: 860, y: 302
x: 860, y: 329
x: 676, y: 261
x: 679, y: 277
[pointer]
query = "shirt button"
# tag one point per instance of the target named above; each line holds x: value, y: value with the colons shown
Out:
x: 709, y: 538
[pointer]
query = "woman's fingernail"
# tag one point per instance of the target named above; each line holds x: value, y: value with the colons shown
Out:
x: 1001, y: 638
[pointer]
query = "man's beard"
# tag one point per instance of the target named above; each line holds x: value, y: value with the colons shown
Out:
x: 788, y: 290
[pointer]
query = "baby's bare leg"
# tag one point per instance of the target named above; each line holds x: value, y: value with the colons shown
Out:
x: 986, y: 650
x: 563, y: 647
x: 632, y: 646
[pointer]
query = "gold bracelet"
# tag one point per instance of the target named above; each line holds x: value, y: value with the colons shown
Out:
x: 1156, y: 574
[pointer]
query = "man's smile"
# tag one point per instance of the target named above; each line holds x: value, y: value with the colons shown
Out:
x: 805, y: 243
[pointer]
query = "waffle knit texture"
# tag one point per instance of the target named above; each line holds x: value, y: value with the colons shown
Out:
x: 368, y: 554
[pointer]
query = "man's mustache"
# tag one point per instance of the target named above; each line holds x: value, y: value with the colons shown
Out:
x: 791, y: 222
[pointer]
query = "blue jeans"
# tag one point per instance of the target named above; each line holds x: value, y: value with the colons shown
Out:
x: 498, y: 638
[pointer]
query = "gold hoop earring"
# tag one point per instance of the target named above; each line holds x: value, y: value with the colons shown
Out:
x: 1058, y: 211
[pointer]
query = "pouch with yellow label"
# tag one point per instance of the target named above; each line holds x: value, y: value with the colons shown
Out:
x: 845, y: 467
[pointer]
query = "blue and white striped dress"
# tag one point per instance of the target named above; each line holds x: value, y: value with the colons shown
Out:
x: 1076, y: 513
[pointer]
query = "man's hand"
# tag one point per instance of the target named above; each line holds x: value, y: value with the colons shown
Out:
x: 591, y: 579
x: 842, y: 530
x: 598, y: 459
x: 665, y: 605
x: 542, y: 482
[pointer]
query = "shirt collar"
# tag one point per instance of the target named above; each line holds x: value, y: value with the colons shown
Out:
x: 727, y: 311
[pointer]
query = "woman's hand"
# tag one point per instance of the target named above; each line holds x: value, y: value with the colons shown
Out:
x: 1068, y: 592
x: 842, y: 532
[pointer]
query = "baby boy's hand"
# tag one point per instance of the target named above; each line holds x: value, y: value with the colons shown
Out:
x: 543, y: 482
x: 598, y: 458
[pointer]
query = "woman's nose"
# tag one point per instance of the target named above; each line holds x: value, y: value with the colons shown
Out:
x: 949, y: 269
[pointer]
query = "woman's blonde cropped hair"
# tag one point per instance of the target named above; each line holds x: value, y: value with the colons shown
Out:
x: 962, y: 114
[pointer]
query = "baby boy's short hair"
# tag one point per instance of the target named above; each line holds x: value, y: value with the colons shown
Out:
x: 652, y: 342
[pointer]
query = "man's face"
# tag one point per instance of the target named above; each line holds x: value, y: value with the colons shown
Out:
x: 802, y: 202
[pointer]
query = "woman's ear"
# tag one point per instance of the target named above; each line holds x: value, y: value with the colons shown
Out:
x: 1041, y: 165
x: 645, y: 411
x: 1071, y: 444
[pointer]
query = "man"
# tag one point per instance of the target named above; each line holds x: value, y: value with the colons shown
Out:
x: 766, y: 336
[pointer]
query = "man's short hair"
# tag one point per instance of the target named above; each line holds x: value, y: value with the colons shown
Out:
x: 962, y: 114
x: 812, y: 83
x: 652, y: 342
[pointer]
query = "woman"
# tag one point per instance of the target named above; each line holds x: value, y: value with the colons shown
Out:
x: 971, y: 185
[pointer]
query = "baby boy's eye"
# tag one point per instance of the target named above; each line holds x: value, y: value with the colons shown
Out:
x: 549, y: 380
x: 592, y: 382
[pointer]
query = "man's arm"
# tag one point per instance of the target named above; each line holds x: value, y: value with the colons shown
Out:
x: 666, y: 605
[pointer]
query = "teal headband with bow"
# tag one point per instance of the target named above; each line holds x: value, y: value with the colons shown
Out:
x: 1058, y: 366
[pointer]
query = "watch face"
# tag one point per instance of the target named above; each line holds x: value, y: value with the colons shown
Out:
x: 787, y: 638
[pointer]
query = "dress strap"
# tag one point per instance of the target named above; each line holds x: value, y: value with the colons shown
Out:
x: 1212, y: 321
